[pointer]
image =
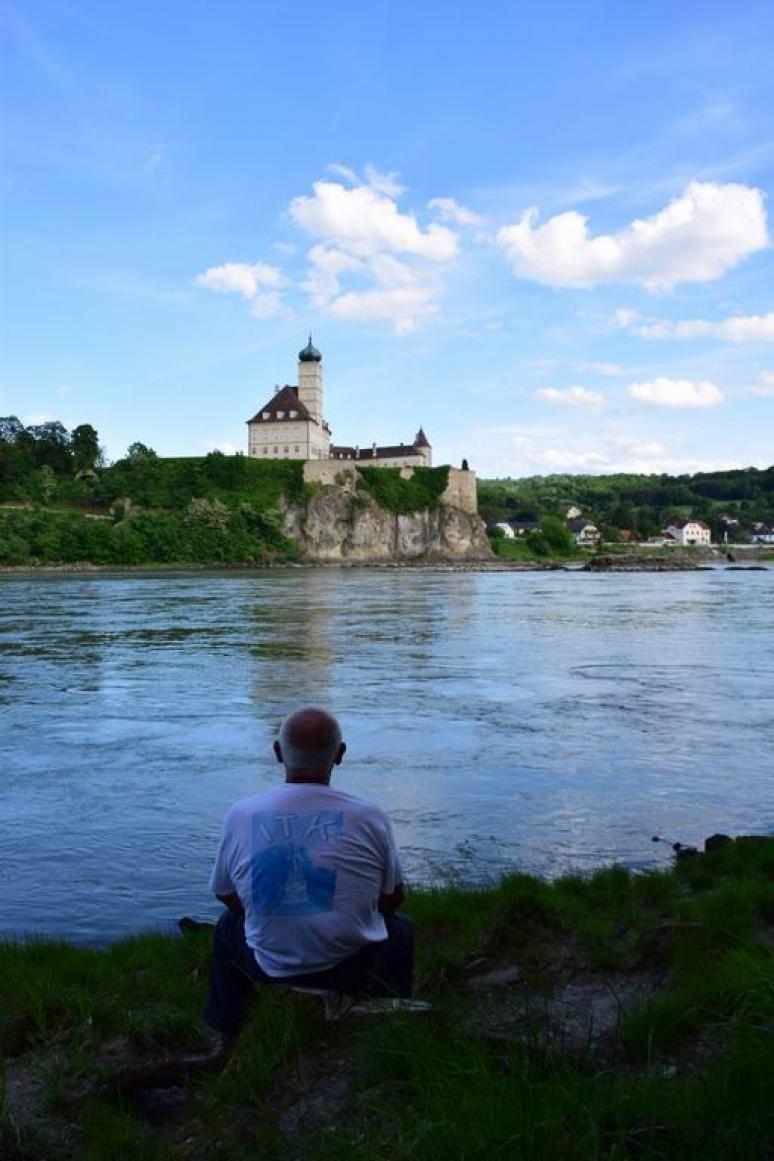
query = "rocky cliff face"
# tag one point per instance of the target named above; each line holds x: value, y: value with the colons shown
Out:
x: 340, y: 524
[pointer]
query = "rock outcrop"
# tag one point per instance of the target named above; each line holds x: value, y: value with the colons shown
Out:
x: 343, y: 524
x: 627, y: 563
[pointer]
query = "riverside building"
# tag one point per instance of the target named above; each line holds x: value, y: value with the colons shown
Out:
x: 292, y: 426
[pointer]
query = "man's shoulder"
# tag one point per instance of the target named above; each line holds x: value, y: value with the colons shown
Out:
x: 253, y: 804
x: 366, y: 815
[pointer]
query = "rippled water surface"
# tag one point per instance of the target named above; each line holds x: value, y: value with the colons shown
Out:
x: 542, y: 720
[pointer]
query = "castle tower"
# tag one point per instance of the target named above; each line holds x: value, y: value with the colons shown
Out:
x: 422, y: 445
x: 310, y: 380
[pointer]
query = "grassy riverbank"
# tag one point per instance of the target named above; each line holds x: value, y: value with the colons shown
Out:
x: 614, y: 1016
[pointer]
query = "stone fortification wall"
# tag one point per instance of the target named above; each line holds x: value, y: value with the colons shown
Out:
x: 338, y: 472
x: 460, y: 491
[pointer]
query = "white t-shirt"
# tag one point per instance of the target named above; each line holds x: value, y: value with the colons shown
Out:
x: 309, y: 864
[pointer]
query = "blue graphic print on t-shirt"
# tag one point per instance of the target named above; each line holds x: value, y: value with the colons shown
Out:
x: 286, y: 880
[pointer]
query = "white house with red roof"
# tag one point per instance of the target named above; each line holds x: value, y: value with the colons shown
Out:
x: 292, y: 426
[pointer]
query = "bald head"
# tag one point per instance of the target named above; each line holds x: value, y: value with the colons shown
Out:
x: 309, y: 745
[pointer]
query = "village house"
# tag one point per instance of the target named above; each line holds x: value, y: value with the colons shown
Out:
x: 522, y: 527
x: 292, y: 426
x: 573, y: 512
x: 584, y: 532
x: 762, y: 533
x: 511, y: 529
x: 689, y: 531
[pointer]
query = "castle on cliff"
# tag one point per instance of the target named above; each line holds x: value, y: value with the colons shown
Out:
x: 292, y: 426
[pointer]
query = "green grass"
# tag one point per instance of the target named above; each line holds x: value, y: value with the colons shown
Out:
x: 391, y: 491
x: 519, y: 549
x: 691, y: 1076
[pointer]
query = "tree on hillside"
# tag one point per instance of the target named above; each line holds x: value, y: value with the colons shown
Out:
x: 51, y: 446
x: 84, y: 445
x: 622, y: 515
x: 11, y: 429
x: 553, y: 538
x: 137, y: 452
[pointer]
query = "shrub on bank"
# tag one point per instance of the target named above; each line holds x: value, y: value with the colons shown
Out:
x: 205, y: 536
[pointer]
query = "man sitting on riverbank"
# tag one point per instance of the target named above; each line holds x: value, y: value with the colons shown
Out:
x: 311, y: 881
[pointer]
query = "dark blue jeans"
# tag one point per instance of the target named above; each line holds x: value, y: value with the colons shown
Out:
x: 378, y: 969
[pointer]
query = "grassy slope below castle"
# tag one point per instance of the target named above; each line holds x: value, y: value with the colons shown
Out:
x: 678, y: 966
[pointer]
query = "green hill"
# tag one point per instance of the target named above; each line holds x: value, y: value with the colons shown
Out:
x: 639, y: 503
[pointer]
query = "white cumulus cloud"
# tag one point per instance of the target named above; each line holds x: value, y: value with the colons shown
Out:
x: 697, y: 237
x: 401, y: 305
x: 385, y: 183
x: 371, y: 260
x: 363, y: 221
x: 450, y: 210
x: 738, y: 329
x: 572, y: 397
x: 663, y: 392
x: 259, y: 284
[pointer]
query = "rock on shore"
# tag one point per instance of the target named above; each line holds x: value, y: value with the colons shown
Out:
x: 627, y: 563
x: 338, y: 524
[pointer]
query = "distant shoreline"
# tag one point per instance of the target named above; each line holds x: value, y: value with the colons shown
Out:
x: 480, y: 566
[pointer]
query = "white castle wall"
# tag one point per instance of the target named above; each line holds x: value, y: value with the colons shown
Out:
x: 298, y: 440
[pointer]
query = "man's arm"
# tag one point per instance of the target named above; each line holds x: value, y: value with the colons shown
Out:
x: 389, y: 904
x: 233, y: 902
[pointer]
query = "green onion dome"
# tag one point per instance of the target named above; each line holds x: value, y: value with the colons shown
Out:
x: 310, y: 354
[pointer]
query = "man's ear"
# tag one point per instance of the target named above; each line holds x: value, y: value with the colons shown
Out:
x: 278, y: 751
x: 340, y: 754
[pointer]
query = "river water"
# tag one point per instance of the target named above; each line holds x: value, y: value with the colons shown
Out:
x: 547, y: 721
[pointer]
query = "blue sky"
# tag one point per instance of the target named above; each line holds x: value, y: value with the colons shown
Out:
x: 541, y: 230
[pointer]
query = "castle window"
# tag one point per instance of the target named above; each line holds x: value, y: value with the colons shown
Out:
x: 265, y: 451
x: 280, y: 415
x: 292, y: 414
x: 296, y: 450
x: 275, y: 450
x: 265, y: 415
x: 286, y: 450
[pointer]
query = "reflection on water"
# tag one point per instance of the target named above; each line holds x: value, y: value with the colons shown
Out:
x: 542, y: 720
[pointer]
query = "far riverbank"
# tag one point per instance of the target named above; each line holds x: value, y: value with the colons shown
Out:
x: 617, y: 563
